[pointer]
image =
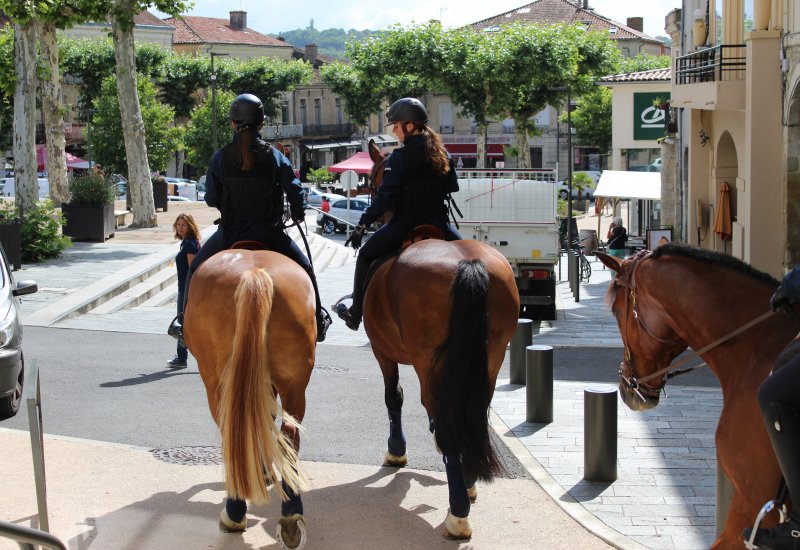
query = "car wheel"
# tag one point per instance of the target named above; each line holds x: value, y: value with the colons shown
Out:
x: 328, y: 227
x: 9, y: 405
x: 562, y: 194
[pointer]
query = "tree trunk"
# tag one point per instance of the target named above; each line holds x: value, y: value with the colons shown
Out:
x: 481, y: 145
x: 523, y: 149
x: 141, y: 188
x: 53, y: 116
x: 26, y: 187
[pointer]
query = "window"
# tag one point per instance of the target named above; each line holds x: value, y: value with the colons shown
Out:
x: 317, y: 111
x: 285, y: 112
x: 339, y: 114
x: 303, y: 114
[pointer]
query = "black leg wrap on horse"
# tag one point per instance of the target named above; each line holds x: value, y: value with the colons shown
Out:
x: 236, y: 509
x: 456, y: 486
x: 397, y: 440
x: 293, y: 505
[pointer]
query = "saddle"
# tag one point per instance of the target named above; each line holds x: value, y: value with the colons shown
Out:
x: 422, y: 233
x: 249, y: 245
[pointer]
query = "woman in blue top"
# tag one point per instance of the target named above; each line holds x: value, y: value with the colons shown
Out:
x: 417, y: 182
x: 186, y: 230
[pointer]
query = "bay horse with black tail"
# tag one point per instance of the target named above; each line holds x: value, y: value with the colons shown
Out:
x: 449, y: 309
x: 677, y: 297
x: 250, y: 323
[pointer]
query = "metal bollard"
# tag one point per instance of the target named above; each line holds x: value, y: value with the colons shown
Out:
x: 539, y: 384
x: 522, y: 339
x: 600, y: 433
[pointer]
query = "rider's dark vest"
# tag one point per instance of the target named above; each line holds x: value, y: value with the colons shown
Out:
x: 250, y: 197
x: 423, y: 195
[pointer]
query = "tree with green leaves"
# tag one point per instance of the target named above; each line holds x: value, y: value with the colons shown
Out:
x: 7, y: 83
x: 361, y: 97
x: 591, y: 119
x: 122, y: 13
x: 198, y: 138
x: 161, y: 136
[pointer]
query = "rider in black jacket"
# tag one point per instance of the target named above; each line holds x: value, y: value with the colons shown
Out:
x: 247, y: 180
x: 417, y: 182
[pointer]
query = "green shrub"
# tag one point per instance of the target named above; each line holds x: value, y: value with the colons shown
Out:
x: 91, y: 190
x: 320, y: 175
x: 40, y: 232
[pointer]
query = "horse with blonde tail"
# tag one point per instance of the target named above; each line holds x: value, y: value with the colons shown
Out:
x: 250, y: 323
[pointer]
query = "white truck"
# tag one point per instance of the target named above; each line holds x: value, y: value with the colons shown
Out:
x: 515, y: 211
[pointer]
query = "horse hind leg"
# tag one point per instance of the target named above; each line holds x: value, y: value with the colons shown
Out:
x: 291, y: 530
x: 233, y: 518
x: 457, y: 525
x: 395, y: 455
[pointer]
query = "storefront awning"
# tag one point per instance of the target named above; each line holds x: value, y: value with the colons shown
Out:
x: 623, y: 184
x: 470, y: 150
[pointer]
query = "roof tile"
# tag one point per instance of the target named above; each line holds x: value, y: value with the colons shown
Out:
x: 213, y: 30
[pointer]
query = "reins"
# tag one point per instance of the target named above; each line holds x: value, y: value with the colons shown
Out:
x: 672, y: 369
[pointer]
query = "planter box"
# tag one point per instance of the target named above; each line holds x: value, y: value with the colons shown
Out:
x: 92, y: 223
x: 159, y: 196
x: 11, y: 239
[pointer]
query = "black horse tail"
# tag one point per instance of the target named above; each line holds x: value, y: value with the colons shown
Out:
x: 462, y: 387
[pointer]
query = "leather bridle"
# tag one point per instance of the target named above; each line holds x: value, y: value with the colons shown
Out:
x: 626, y: 373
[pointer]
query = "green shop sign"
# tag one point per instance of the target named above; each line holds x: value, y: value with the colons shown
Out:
x: 648, y: 120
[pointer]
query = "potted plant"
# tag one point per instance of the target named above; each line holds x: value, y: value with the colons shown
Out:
x: 89, y: 214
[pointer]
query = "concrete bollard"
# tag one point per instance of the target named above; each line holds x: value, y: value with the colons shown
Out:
x: 600, y: 433
x: 522, y: 339
x: 539, y: 384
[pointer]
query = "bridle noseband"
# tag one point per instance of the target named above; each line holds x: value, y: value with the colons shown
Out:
x: 626, y: 373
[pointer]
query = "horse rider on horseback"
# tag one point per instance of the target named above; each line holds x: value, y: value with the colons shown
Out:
x: 247, y: 180
x: 780, y: 407
x: 417, y: 182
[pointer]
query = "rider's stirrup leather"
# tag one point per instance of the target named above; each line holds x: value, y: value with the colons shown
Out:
x: 323, y: 322
x: 347, y: 316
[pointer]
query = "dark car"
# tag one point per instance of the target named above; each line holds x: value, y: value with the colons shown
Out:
x: 12, y: 363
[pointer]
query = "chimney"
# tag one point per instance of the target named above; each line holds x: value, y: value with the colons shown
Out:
x: 311, y: 53
x: 238, y: 20
x: 586, y: 4
x: 636, y: 23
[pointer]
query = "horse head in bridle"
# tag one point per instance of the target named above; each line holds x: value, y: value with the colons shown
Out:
x: 376, y: 174
x: 650, y: 343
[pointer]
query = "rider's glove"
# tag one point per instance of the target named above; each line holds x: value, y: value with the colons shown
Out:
x: 781, y: 301
x: 298, y: 214
x: 356, y: 237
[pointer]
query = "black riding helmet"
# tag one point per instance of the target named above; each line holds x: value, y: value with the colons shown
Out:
x: 407, y: 109
x: 247, y: 110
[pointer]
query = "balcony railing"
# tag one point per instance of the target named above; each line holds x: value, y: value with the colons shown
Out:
x: 272, y: 131
x: 329, y: 129
x: 445, y: 129
x: 723, y: 62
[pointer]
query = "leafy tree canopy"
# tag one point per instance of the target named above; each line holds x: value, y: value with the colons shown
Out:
x: 199, y: 130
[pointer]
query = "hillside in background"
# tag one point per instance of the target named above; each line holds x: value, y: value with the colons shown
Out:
x: 330, y: 41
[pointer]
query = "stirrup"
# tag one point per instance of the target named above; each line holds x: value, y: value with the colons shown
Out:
x: 346, y: 315
x: 766, y: 509
x: 324, y: 322
x: 175, y: 330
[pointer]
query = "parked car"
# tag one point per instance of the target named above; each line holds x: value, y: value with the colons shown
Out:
x: 9, y: 190
x: 586, y: 193
x: 176, y: 198
x: 12, y: 362
x: 314, y: 196
x: 339, y: 214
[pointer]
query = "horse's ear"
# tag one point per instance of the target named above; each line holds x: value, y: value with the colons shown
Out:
x: 611, y: 262
x: 374, y: 151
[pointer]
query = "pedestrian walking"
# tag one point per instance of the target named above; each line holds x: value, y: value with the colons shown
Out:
x: 186, y: 230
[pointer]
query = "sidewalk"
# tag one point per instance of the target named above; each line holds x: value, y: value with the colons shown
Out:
x: 663, y: 497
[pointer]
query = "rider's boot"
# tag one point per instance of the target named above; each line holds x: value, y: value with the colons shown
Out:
x: 323, y: 317
x: 783, y: 426
x: 176, y: 326
x: 352, y: 315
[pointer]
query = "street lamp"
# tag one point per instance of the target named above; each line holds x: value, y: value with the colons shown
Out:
x: 214, y: 99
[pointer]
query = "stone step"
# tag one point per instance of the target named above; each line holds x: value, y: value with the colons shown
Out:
x: 139, y: 293
x: 167, y: 296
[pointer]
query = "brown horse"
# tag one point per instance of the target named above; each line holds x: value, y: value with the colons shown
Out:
x: 449, y: 309
x: 250, y: 324
x: 677, y: 297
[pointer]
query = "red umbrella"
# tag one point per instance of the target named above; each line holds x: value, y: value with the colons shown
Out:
x: 722, y: 223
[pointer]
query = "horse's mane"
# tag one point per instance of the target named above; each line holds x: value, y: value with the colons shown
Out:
x: 714, y: 258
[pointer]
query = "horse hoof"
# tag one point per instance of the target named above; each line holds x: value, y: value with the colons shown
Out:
x: 291, y: 532
x: 395, y: 461
x: 472, y: 493
x: 227, y: 525
x: 456, y: 528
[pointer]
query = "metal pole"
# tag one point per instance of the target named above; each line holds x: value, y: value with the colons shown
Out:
x: 539, y: 384
x: 570, y: 236
x: 214, y: 104
x: 600, y: 434
x: 523, y: 337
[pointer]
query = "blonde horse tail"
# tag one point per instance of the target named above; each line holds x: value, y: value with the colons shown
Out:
x: 254, y: 450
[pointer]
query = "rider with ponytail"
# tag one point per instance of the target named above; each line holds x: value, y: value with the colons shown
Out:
x: 247, y: 181
x: 417, y: 182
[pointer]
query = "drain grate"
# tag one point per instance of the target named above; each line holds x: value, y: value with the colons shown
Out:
x: 189, y: 456
x: 329, y: 368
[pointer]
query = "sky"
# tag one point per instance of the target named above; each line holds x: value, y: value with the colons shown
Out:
x: 274, y: 18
